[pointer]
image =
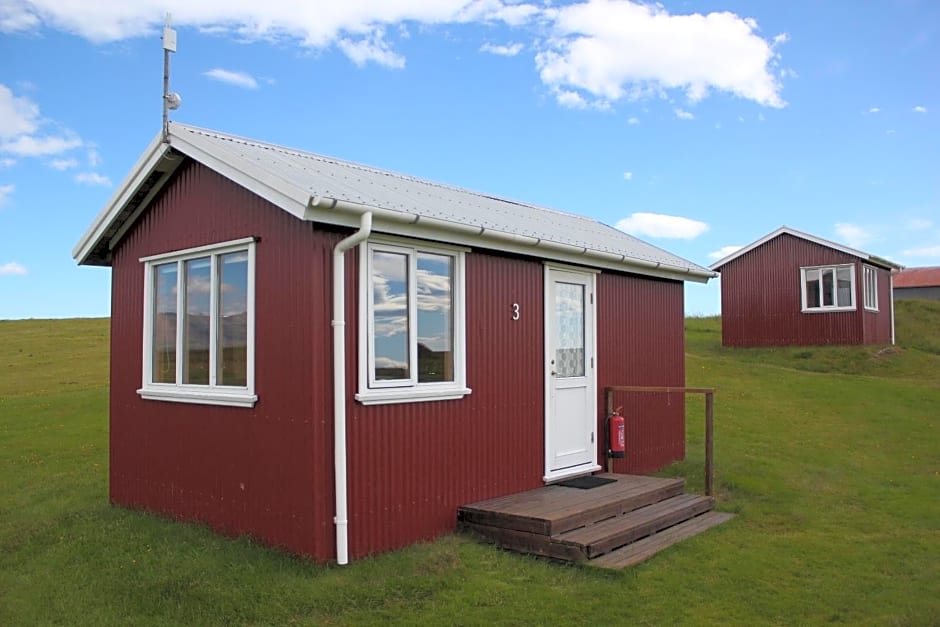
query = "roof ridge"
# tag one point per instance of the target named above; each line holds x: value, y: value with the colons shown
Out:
x: 376, y: 170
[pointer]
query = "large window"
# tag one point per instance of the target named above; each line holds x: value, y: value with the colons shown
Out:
x: 828, y: 288
x: 870, y: 288
x: 199, y: 325
x: 412, y: 323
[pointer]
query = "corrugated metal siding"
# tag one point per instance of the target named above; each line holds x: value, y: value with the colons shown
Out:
x: 268, y: 471
x: 239, y: 470
x: 412, y: 465
x: 641, y: 342
x: 877, y: 324
x: 760, y: 298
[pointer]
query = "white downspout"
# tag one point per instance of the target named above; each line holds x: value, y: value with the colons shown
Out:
x: 339, y: 382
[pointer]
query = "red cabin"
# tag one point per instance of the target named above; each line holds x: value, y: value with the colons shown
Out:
x: 793, y: 289
x: 332, y: 358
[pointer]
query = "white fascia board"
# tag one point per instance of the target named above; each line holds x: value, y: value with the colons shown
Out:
x: 273, y: 188
x: 125, y: 191
x: 412, y: 226
x: 785, y: 230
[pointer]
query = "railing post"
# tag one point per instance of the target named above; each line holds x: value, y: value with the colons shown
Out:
x: 608, y: 409
x: 709, y: 444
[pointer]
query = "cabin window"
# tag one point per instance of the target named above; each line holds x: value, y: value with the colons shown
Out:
x: 870, y: 288
x: 828, y: 288
x: 199, y: 325
x: 411, y: 323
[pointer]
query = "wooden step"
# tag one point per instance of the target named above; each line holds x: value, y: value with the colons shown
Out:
x: 602, y: 537
x: 642, y: 550
x: 553, y: 509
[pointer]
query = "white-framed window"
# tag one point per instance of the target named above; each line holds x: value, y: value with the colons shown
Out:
x: 828, y: 288
x: 411, y: 322
x: 870, y: 288
x: 199, y: 308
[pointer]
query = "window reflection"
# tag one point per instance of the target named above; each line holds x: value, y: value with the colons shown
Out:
x: 232, y: 341
x: 435, y: 318
x: 197, y: 276
x: 390, y: 315
x: 164, y: 323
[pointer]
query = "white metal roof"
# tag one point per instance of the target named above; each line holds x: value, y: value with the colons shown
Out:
x: 785, y: 230
x: 324, y: 189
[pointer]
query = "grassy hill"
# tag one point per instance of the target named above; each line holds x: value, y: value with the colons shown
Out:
x: 830, y: 457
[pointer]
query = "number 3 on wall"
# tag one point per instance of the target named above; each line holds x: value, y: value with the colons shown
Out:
x: 515, y: 311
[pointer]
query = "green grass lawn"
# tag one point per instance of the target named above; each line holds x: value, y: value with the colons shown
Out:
x: 830, y: 457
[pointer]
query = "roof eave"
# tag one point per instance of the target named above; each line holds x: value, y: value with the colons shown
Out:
x: 785, y: 230
x: 345, y: 213
x: 90, y: 240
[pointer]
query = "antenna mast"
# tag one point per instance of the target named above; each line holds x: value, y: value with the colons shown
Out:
x: 171, y: 100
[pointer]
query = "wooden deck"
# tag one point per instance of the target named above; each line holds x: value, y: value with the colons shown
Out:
x: 613, y: 526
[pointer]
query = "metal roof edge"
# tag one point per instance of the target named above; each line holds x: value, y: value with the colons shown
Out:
x: 154, y: 152
x: 785, y: 230
x: 345, y: 213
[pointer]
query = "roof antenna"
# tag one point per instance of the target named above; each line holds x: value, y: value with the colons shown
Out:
x: 171, y: 100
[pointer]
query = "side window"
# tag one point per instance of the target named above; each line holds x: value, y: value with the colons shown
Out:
x: 411, y: 323
x: 199, y: 325
x: 870, y: 288
x: 828, y: 288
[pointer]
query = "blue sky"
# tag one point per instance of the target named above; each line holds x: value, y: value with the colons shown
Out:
x: 697, y: 126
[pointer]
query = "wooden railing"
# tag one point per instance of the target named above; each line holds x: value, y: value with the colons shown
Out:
x: 709, y: 422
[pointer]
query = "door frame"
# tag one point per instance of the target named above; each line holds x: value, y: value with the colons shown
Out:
x: 590, y: 277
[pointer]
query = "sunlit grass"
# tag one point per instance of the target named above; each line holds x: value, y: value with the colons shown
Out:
x: 834, y: 477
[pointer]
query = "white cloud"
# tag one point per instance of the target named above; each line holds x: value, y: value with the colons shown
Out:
x: 919, y: 109
x: 684, y: 115
x: 633, y: 121
x: 5, y: 192
x: 20, y: 125
x: 18, y: 115
x: 373, y: 48
x: 356, y: 27
x: 619, y: 49
x: 12, y: 268
x: 926, y: 251
x: 92, y: 178
x: 660, y: 225
x: 507, y: 50
x: 874, y: 110
x: 63, y: 164
x: 238, y: 79
x: 724, y: 251
x: 36, y: 146
x: 852, y: 234
x: 570, y: 99
x: 7, y: 162
x: 94, y: 157
x: 628, y: 176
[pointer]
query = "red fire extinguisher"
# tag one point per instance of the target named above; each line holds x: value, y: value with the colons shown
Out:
x: 616, y: 436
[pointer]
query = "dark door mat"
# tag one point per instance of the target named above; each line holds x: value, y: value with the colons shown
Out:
x: 585, y: 483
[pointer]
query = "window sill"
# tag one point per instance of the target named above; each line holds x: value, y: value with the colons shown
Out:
x: 411, y: 395
x: 201, y: 397
x: 872, y: 309
x: 822, y: 310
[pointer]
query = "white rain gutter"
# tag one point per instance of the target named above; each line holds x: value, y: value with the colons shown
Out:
x: 325, y: 203
x: 339, y: 382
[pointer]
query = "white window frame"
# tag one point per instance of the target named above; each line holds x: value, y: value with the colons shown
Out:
x: 834, y: 307
x: 870, y: 288
x: 211, y: 394
x: 372, y: 392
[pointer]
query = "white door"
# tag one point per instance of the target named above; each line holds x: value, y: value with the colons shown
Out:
x: 571, y: 397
